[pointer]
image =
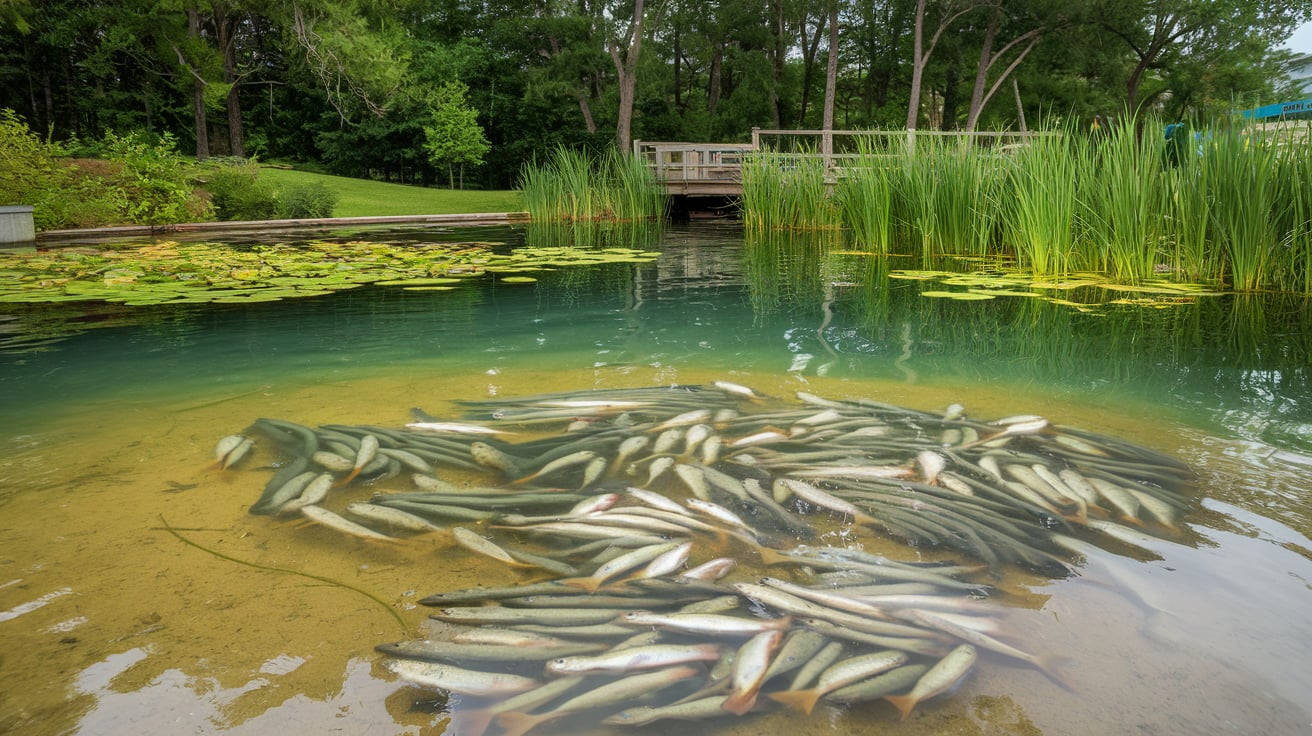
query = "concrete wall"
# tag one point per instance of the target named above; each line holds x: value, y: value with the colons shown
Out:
x: 16, y: 224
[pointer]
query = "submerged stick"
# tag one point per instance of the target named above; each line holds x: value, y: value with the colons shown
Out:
x: 269, y: 568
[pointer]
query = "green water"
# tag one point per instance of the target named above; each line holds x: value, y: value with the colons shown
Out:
x: 110, y: 624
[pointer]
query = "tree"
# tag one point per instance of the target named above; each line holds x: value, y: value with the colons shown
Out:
x: 1166, y: 34
x: 1028, y: 32
x: 949, y: 12
x: 453, y: 135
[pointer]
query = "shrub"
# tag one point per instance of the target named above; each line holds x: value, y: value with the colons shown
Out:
x: 238, y: 194
x: 314, y: 199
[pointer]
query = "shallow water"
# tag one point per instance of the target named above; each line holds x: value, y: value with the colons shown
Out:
x: 112, y: 624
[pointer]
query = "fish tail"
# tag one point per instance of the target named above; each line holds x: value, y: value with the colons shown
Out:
x: 740, y: 703
x: 904, y: 704
x: 771, y: 557
x: 346, y: 479
x: 803, y: 700
x: 865, y: 519
x: 471, y: 722
x: 517, y: 724
x: 589, y: 584
x: 1052, y: 666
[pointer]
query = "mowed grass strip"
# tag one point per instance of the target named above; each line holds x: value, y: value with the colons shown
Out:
x: 365, y: 198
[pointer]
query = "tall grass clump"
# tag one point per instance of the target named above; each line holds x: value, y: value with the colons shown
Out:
x: 1124, y: 201
x: 1244, y: 209
x: 577, y: 186
x: 865, y: 200
x: 781, y: 193
x: 1039, y: 217
x: 951, y: 196
x: 1294, y: 166
x: 1185, y: 226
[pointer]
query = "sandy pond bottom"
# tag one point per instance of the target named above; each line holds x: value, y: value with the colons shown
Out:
x: 110, y: 624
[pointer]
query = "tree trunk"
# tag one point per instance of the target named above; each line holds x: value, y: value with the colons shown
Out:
x: 922, y: 50
x: 810, y: 47
x: 780, y: 51
x: 982, y: 70
x: 831, y: 89
x: 713, y: 86
x: 198, y: 93
x: 626, y: 72
x: 227, y: 30
x: 979, y: 96
x: 678, y: 76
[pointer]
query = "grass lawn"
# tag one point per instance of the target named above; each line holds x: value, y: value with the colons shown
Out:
x: 364, y: 198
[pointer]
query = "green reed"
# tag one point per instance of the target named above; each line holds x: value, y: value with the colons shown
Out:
x: 577, y: 186
x: 1294, y: 167
x: 1123, y: 202
x: 1244, y: 207
x: 865, y: 199
x: 787, y: 192
x: 1039, y: 214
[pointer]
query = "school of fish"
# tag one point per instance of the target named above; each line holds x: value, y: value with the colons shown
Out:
x: 647, y: 516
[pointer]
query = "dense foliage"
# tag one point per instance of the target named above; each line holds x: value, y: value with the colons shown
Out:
x: 354, y: 85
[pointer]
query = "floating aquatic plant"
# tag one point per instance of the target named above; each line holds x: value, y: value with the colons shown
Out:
x: 170, y: 273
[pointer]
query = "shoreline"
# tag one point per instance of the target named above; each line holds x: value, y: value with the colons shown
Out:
x: 479, y: 218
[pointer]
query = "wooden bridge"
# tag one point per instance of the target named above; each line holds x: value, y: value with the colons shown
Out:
x: 716, y: 169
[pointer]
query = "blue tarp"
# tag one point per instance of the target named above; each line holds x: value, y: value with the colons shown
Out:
x: 1279, y: 110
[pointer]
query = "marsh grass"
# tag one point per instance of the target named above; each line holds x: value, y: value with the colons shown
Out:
x: 1244, y: 209
x: 865, y: 199
x: 1123, y: 202
x: 1039, y: 214
x: 577, y: 186
x: 787, y: 192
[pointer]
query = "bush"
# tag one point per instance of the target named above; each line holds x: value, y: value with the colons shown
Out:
x: 307, y: 200
x: 156, y: 180
x: 237, y: 193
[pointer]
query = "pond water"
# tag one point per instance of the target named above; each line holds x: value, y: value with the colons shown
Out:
x: 110, y: 623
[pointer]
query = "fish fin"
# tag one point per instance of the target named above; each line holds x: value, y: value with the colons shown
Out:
x: 346, y: 479
x: 740, y: 703
x: 803, y: 700
x: 470, y: 722
x: 1052, y: 665
x: 514, y: 723
x: 904, y: 704
x: 864, y: 519
x: 589, y: 584
x: 771, y: 557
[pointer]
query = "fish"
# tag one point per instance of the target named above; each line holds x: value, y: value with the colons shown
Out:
x: 481, y: 545
x: 840, y: 674
x: 365, y: 455
x: 621, y: 564
x: 619, y: 691
x: 707, y: 623
x: 690, y: 711
x: 458, y: 680
x: 888, y: 683
x: 823, y: 499
x: 451, y: 651
x: 738, y: 390
x: 231, y: 450
x: 395, y: 518
x: 454, y: 428
x: 314, y: 492
x: 648, y: 657
x: 324, y: 517
x: 944, y: 674
x: 750, y: 664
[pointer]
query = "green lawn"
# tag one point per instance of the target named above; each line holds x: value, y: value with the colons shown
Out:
x: 364, y: 198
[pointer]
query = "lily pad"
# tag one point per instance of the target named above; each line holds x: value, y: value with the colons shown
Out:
x: 518, y: 280
x: 418, y: 282
x: 959, y: 295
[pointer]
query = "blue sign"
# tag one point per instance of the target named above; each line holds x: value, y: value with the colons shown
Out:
x: 1279, y: 110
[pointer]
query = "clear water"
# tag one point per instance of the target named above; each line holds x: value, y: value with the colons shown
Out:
x: 110, y: 624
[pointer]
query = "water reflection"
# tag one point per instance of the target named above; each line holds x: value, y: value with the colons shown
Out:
x: 104, y: 426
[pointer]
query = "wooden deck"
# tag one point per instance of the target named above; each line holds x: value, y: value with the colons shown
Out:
x: 716, y: 169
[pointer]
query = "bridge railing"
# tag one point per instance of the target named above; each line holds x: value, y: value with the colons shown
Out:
x: 718, y: 166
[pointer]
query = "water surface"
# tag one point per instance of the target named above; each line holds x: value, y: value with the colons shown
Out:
x: 110, y: 624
